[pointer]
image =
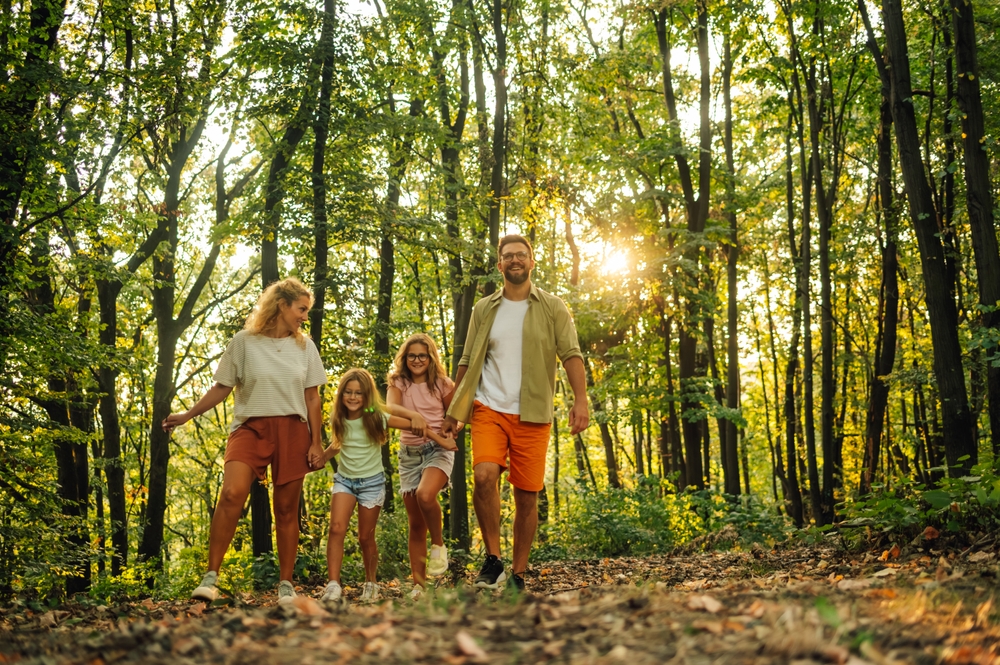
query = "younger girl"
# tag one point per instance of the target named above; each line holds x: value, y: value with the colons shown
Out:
x: 419, y: 382
x: 360, y: 428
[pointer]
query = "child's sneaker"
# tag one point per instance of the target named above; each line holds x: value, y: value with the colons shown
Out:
x: 437, y: 562
x: 491, y: 574
x: 286, y: 593
x: 207, y: 590
x: 370, y: 593
x: 332, y: 592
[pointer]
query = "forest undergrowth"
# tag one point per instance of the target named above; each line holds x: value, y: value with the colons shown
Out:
x: 929, y: 601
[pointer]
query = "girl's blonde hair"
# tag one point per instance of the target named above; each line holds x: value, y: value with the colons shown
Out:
x: 265, y: 313
x: 373, y: 409
x: 435, y: 369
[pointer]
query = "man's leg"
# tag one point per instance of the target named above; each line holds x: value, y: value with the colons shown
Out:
x: 525, y: 525
x: 486, y: 500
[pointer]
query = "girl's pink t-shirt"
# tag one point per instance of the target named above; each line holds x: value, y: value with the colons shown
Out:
x: 418, y: 397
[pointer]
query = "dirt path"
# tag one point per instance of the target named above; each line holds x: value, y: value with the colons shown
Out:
x: 794, y: 606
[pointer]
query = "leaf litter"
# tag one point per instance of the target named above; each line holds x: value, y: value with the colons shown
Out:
x: 796, y: 606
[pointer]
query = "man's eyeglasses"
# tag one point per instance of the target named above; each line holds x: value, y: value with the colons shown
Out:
x: 510, y: 256
x: 417, y: 357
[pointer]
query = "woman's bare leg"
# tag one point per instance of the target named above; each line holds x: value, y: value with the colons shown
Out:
x: 286, y: 523
x: 236, y: 479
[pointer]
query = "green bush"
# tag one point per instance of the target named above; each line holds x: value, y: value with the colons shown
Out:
x: 967, y: 504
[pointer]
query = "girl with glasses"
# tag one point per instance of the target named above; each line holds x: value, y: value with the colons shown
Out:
x: 419, y: 384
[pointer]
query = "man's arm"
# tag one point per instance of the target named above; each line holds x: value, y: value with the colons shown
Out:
x: 579, y: 414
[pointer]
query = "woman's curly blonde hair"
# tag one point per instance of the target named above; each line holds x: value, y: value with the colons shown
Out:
x: 265, y: 313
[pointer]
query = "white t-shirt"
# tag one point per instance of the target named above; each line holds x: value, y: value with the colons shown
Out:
x: 269, y: 375
x: 500, y: 383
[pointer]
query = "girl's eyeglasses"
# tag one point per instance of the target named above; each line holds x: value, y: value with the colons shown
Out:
x: 417, y: 357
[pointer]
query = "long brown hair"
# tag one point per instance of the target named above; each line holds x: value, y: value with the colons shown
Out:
x: 265, y: 313
x: 435, y: 370
x: 372, y: 410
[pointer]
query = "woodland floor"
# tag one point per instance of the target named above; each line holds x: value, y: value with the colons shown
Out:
x: 802, y: 605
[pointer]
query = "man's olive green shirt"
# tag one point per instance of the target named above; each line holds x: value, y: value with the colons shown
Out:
x: 548, y: 332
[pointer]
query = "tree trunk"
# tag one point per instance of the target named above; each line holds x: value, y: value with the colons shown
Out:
x: 609, y: 445
x: 978, y: 198
x: 960, y: 448
x: 321, y: 130
x: 732, y: 256
x: 888, y: 315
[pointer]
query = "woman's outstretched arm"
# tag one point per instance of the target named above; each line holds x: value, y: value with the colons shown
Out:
x: 208, y: 401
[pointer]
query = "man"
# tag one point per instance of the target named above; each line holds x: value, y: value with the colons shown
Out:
x: 506, y: 381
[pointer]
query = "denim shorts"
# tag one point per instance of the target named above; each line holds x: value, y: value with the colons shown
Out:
x: 370, y: 491
x: 414, y: 459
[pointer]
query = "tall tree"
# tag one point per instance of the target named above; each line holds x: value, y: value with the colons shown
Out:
x: 960, y: 446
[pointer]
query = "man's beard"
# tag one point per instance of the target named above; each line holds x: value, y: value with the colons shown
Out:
x: 518, y: 279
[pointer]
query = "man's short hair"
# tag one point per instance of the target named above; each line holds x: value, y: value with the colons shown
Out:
x: 512, y: 238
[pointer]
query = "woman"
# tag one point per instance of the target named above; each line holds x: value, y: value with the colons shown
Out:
x: 276, y: 372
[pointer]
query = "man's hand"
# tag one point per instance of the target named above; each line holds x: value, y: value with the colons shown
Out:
x: 451, y: 427
x: 579, y: 418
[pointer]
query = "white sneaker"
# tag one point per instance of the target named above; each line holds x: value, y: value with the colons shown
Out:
x: 207, y: 590
x: 286, y: 593
x: 416, y: 592
x: 332, y: 592
x: 370, y: 593
x: 437, y: 562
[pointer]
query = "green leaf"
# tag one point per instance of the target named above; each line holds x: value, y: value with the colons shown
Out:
x: 938, y: 499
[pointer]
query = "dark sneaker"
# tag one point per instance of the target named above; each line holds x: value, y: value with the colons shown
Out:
x: 516, y: 583
x: 491, y: 574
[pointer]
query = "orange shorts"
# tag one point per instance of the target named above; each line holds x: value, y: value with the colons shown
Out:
x: 281, y: 441
x: 497, y: 436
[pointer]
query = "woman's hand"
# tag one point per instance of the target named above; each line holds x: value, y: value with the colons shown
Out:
x: 174, y: 420
x: 316, y: 455
x: 418, y: 424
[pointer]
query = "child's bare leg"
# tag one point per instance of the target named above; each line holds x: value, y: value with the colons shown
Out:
x: 417, y: 541
x: 341, y: 507
x: 367, y: 519
x: 432, y: 481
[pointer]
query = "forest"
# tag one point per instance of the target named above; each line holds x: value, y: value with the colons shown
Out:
x: 773, y: 221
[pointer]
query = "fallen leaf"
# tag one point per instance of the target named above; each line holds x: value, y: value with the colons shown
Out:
x: 196, y: 609
x: 554, y: 649
x: 147, y: 603
x: 714, y: 627
x: 852, y: 585
x: 885, y: 572
x: 47, y: 620
x: 308, y: 606
x: 881, y: 593
x: 468, y: 646
x: 704, y: 602
x: 930, y: 533
x: 375, y: 630
x: 979, y: 557
x: 894, y: 552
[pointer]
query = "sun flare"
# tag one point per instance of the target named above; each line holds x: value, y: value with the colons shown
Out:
x: 616, y: 263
